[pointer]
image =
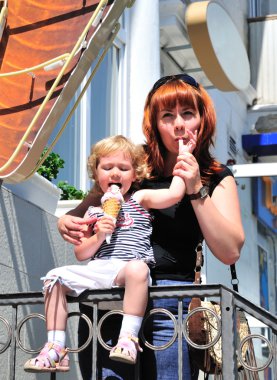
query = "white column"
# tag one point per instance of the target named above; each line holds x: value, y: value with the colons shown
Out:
x: 85, y: 138
x: 144, y: 60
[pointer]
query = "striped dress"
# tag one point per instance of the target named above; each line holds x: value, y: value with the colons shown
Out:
x: 131, y: 237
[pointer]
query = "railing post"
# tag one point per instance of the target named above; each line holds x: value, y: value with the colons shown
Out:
x: 13, y: 343
x: 94, y: 341
x: 229, y: 360
x: 274, y: 345
x: 180, y: 339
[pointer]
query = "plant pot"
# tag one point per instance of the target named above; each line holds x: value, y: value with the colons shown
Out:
x: 38, y: 191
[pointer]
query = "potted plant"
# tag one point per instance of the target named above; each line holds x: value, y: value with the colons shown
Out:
x: 69, y: 195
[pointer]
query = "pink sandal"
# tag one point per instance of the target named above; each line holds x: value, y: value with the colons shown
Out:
x: 126, y: 350
x: 44, y: 363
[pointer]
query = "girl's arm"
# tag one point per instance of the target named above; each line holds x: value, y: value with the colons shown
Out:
x: 162, y: 198
x: 91, y: 243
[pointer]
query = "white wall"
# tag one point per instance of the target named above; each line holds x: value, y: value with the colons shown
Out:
x: 30, y: 246
x: 144, y: 56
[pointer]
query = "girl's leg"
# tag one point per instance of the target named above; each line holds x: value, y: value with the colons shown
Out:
x: 56, y: 314
x: 106, y: 368
x: 135, y: 277
x: 55, y: 306
x: 53, y: 356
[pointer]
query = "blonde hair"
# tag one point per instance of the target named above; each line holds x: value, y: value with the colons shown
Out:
x: 114, y: 144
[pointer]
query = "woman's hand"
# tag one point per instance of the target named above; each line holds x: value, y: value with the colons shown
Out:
x: 187, y: 167
x: 190, y: 145
x: 72, y: 228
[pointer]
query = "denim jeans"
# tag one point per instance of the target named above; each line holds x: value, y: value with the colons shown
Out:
x: 154, y: 365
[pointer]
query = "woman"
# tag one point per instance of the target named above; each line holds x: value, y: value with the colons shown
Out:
x: 176, y: 106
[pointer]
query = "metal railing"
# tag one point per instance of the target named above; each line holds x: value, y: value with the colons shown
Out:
x: 230, y: 301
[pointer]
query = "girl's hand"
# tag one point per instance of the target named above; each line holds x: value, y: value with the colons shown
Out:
x: 104, y: 225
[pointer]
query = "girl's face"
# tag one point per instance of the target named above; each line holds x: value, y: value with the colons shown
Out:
x: 175, y: 123
x: 115, y: 168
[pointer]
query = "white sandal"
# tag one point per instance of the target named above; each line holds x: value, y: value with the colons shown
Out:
x: 44, y: 363
x: 126, y: 350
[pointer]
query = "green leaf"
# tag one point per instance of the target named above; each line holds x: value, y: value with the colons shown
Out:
x: 50, y: 170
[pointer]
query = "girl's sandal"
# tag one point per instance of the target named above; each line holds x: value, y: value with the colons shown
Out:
x: 44, y: 363
x: 126, y: 350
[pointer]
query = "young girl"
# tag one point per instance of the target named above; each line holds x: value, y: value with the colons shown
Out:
x: 125, y: 261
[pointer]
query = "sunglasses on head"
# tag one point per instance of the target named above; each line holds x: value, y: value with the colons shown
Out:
x: 183, y: 77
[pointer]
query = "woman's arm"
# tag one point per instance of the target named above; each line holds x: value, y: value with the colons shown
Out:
x: 218, y: 216
x: 220, y: 221
x: 82, y: 207
x: 72, y: 225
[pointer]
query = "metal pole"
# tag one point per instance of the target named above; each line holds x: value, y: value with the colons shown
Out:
x: 229, y: 360
x: 13, y: 343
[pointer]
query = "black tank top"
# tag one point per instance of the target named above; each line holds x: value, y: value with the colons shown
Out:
x: 176, y: 233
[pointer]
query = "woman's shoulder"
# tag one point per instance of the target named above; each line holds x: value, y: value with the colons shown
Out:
x: 222, y: 172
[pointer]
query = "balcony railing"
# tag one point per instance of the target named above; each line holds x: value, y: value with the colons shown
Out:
x: 230, y: 302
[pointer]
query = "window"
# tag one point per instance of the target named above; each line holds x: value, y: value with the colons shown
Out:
x: 254, y: 8
x: 264, y: 296
x: 261, y: 8
x: 100, y: 113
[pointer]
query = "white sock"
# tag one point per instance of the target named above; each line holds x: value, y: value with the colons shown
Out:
x: 57, y: 337
x: 130, y: 325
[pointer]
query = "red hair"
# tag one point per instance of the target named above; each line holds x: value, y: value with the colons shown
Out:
x: 168, y: 96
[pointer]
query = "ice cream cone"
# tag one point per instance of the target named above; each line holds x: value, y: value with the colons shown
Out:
x: 111, y: 207
x: 111, y: 204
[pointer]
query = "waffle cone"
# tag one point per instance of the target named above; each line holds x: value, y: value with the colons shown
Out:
x: 111, y: 207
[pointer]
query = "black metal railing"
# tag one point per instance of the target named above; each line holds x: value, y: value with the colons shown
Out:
x: 230, y: 301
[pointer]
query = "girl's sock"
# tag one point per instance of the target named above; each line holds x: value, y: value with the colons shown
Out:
x: 130, y: 325
x: 57, y: 337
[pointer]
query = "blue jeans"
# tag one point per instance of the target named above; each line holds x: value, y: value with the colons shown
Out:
x: 154, y: 365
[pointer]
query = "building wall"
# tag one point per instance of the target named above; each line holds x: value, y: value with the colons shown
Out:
x: 30, y: 246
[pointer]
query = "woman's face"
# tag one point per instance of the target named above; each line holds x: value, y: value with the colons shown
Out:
x: 115, y: 168
x: 174, y: 123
